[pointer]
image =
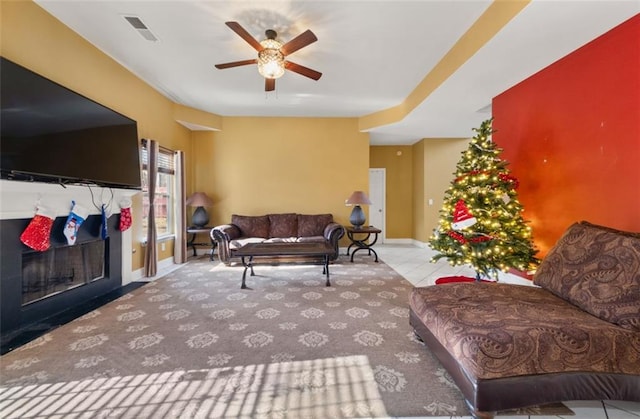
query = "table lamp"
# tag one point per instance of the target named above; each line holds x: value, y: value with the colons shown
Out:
x: 200, y: 200
x: 357, y: 217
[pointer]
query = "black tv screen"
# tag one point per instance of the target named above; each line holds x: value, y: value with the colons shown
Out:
x: 49, y: 133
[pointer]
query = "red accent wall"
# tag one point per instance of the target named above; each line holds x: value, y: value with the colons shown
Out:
x: 572, y: 135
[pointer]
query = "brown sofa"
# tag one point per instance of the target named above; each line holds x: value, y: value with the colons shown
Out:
x: 574, y: 336
x: 273, y: 228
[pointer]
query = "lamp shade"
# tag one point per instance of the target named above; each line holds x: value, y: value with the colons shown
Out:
x: 199, y: 199
x: 358, y: 198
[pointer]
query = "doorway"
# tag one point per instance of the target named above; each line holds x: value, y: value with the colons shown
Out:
x: 377, y: 195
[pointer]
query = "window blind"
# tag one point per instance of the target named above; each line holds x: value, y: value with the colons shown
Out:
x: 165, y: 159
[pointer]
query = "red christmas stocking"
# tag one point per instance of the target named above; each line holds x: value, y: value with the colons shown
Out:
x: 125, y: 214
x: 37, y: 233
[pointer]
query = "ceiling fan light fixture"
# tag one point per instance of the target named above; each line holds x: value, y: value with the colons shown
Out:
x: 270, y: 59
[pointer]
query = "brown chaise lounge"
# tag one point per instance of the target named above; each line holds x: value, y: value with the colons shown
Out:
x: 574, y: 337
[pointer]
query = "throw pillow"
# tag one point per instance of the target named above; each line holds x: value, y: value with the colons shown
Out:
x: 252, y: 226
x: 313, y: 225
x: 597, y: 269
x: 283, y: 225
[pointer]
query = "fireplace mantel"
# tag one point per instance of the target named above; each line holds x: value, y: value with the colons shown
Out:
x: 18, y: 199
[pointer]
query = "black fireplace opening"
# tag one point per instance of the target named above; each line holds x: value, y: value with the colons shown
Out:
x: 38, y: 286
x: 45, y: 274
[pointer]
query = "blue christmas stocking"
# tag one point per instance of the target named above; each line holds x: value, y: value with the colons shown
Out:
x: 75, y: 219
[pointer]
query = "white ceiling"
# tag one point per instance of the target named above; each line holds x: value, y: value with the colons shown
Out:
x: 372, y: 54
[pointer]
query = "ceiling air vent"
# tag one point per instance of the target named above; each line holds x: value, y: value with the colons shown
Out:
x: 142, y: 29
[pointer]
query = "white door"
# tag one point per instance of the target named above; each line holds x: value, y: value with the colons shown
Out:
x: 377, y: 194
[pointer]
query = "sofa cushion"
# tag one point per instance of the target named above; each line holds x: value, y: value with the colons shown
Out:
x: 311, y: 239
x: 283, y: 225
x: 281, y: 240
x: 252, y: 226
x: 313, y: 225
x: 238, y: 243
x: 497, y: 330
x: 597, y: 269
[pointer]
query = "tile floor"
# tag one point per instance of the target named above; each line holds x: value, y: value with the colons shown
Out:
x: 414, y: 264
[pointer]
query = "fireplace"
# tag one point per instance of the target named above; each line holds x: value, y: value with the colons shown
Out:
x: 37, y: 285
x: 56, y: 270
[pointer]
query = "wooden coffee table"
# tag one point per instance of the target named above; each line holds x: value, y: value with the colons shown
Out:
x: 251, y: 250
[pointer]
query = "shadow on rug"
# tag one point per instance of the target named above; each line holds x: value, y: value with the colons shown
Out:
x: 193, y: 344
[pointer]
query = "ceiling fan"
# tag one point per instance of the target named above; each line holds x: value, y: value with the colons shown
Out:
x: 271, y: 55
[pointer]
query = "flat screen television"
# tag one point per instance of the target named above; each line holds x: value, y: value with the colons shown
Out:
x: 49, y: 133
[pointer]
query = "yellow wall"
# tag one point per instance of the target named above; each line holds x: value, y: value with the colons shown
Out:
x: 419, y: 231
x: 260, y: 165
x: 398, y: 162
x: 421, y: 172
x: 441, y: 156
x: 34, y: 39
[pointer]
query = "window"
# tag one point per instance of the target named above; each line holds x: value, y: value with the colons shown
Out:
x: 165, y: 192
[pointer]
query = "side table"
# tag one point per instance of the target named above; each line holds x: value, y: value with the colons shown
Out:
x: 361, y: 243
x: 193, y: 231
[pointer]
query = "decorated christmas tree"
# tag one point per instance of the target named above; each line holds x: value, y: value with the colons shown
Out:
x: 481, y: 220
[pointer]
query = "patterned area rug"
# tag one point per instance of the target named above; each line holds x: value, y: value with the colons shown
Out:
x: 193, y: 344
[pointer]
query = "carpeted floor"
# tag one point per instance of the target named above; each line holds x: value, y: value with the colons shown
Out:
x: 193, y: 344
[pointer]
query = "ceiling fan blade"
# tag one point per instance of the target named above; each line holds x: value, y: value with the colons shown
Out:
x: 300, y: 69
x: 235, y: 26
x: 236, y: 64
x: 269, y: 84
x: 305, y: 38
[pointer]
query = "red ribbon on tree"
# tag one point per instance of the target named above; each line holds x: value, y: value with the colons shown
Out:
x: 508, y: 178
x: 457, y: 236
x: 480, y: 239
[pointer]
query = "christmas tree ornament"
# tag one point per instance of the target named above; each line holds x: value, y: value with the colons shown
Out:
x: 76, y: 217
x: 462, y: 218
x: 125, y: 214
x: 37, y: 233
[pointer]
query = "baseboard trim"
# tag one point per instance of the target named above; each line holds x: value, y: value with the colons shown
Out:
x: 398, y: 241
x: 165, y: 266
x: 412, y: 242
